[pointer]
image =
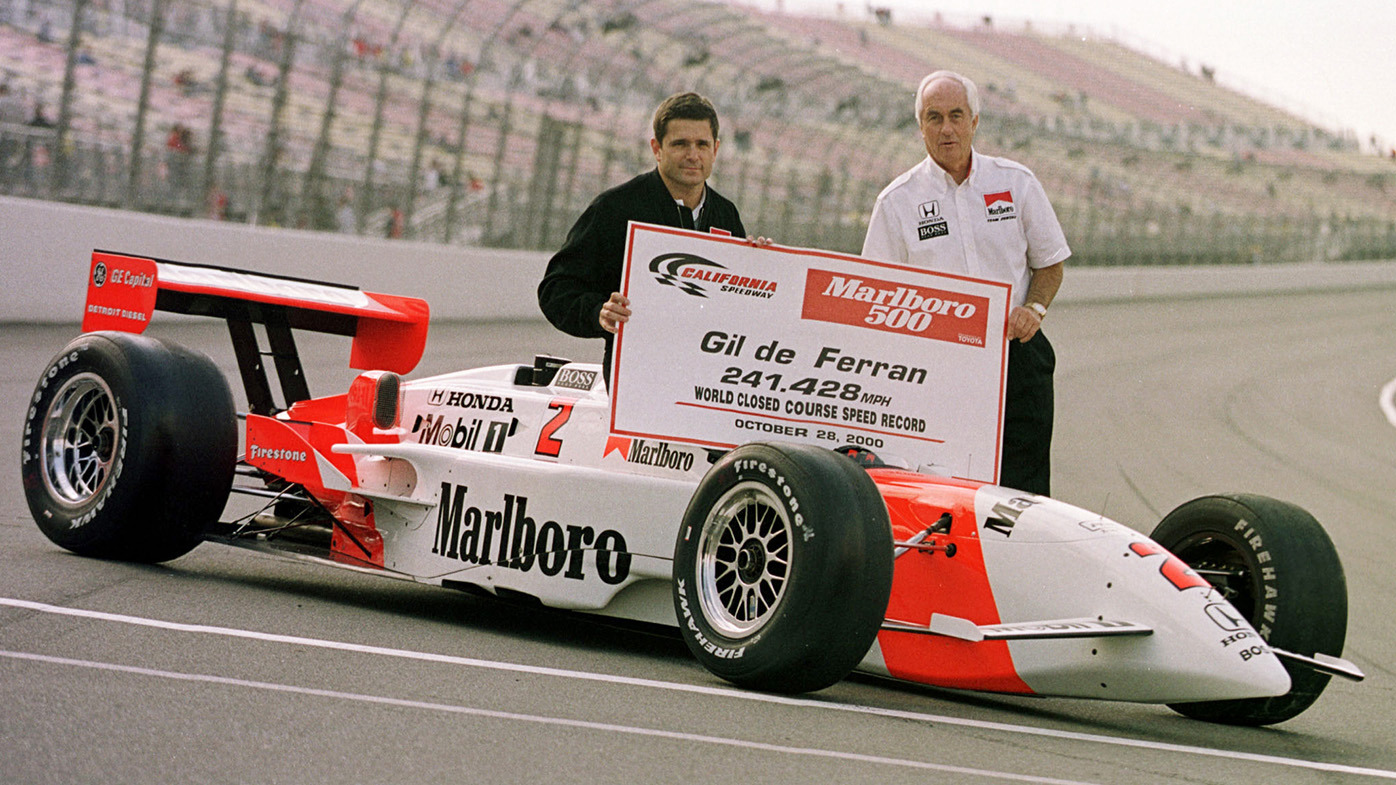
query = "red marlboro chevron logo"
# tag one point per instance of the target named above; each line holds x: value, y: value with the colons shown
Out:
x: 616, y: 444
x: 999, y: 205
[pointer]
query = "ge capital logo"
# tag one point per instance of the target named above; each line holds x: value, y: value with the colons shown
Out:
x: 99, y: 274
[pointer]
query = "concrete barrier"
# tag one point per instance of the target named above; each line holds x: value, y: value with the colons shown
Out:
x: 45, y: 248
x: 1104, y: 284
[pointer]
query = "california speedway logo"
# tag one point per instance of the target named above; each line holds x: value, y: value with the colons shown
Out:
x: 685, y: 270
x: 676, y: 269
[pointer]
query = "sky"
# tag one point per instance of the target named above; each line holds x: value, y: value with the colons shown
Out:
x: 1333, y: 62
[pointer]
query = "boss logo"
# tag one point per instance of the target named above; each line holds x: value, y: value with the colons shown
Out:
x: 574, y: 379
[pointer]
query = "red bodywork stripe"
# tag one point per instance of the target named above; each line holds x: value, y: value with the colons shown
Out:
x: 930, y: 582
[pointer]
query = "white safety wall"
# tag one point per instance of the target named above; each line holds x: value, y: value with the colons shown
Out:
x: 45, y: 248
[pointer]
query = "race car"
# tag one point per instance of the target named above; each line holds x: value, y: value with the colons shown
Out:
x: 784, y: 566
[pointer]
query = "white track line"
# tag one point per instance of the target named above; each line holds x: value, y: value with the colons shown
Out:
x: 543, y: 720
x: 699, y: 689
x: 1387, y: 400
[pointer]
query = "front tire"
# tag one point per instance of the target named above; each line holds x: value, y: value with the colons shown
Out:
x: 1274, y: 562
x: 783, y: 567
x: 129, y: 448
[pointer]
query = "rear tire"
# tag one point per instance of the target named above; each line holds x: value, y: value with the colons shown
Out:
x: 1274, y: 562
x: 783, y: 567
x: 129, y: 448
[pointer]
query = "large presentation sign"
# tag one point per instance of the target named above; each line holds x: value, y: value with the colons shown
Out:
x: 730, y: 343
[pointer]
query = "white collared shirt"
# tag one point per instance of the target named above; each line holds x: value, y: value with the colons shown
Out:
x: 697, y: 209
x: 995, y: 225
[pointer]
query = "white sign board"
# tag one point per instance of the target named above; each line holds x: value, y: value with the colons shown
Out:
x: 731, y: 343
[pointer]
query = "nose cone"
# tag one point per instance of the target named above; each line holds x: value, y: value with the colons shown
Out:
x: 1083, y: 566
x: 1193, y: 663
x: 1186, y: 658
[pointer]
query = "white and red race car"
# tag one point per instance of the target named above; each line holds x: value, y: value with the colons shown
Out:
x: 785, y: 566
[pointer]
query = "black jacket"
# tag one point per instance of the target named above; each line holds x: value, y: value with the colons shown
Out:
x: 583, y: 274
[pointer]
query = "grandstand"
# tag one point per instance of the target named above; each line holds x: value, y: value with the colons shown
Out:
x: 494, y: 122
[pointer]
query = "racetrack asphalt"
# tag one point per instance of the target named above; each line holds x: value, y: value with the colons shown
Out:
x: 230, y: 666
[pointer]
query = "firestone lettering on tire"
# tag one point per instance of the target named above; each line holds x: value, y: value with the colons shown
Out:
x: 28, y: 453
x: 746, y: 466
x: 511, y: 538
x: 34, y: 428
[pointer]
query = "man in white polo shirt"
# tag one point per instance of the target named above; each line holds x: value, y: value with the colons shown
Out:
x: 964, y: 212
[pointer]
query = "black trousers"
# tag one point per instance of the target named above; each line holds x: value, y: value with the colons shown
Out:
x: 1027, y: 418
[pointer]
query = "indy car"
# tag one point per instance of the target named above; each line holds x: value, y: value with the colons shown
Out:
x: 784, y: 566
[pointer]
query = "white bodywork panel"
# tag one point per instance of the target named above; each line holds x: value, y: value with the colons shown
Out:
x: 523, y: 489
x: 1057, y: 562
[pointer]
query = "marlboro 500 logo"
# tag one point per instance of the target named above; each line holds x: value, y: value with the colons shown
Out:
x: 896, y: 308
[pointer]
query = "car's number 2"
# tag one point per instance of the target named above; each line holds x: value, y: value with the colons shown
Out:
x: 548, y: 442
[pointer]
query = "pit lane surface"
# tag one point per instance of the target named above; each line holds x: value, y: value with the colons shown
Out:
x: 228, y: 666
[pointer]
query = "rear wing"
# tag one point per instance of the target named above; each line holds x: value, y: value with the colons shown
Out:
x: 389, y: 332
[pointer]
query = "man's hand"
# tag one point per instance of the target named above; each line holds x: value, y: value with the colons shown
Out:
x: 1023, y: 324
x: 759, y: 242
x: 615, y: 312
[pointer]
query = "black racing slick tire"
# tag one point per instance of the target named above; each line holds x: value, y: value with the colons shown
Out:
x: 129, y: 448
x: 783, y: 567
x: 1274, y: 562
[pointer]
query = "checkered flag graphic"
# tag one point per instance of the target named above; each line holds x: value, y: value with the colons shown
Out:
x: 667, y: 267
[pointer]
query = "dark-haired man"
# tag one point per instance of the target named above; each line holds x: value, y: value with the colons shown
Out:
x: 579, y: 292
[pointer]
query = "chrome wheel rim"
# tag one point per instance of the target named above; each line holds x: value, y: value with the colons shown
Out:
x: 744, y: 560
x: 80, y: 440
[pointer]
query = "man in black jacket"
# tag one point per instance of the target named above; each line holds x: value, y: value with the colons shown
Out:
x: 579, y: 292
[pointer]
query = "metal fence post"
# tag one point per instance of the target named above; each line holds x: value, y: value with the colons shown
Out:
x: 152, y: 43
x: 209, y: 182
x: 63, y: 131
